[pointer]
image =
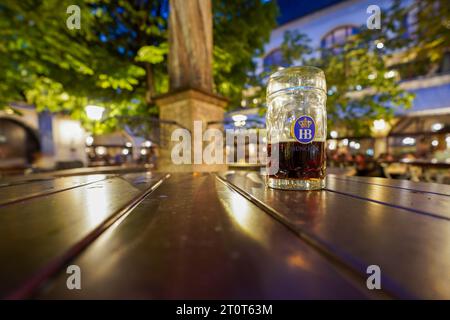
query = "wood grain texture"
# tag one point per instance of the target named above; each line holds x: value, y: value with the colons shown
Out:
x: 43, y: 176
x: 411, y: 249
x: 227, y: 236
x: 38, y: 235
x: 420, y: 202
x: 23, y: 191
x: 196, y: 238
x: 190, y: 44
x: 425, y: 187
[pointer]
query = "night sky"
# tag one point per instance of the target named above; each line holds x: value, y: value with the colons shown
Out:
x: 293, y: 9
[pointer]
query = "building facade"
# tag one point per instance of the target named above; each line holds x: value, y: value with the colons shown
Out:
x: 426, y: 123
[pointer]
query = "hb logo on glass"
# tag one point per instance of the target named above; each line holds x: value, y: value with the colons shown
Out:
x: 303, y: 129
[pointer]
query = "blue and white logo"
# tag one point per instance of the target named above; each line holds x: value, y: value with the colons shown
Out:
x: 303, y: 129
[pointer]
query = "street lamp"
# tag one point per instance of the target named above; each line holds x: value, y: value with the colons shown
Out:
x: 239, y: 120
x: 436, y: 126
x: 379, y: 125
x: 334, y: 134
x: 94, y: 113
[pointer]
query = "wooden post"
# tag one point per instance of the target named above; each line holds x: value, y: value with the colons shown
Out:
x: 191, y: 45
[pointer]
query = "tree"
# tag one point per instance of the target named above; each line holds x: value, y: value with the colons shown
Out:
x: 105, y: 62
x: 119, y: 56
x: 419, y: 32
x: 241, y: 28
x: 361, y: 85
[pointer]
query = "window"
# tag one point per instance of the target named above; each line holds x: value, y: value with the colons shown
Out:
x: 274, y: 59
x: 336, y: 37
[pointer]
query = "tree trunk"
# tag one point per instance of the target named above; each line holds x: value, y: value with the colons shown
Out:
x: 150, y: 92
x: 191, y: 43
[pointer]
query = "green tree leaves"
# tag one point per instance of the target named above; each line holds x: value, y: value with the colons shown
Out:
x: 118, y: 58
x: 153, y: 54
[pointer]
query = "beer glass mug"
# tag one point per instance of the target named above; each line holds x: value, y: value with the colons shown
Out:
x: 296, y: 122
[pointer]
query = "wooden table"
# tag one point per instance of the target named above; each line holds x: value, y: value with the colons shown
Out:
x: 158, y: 236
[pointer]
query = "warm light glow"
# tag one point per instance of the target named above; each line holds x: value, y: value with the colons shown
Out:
x: 100, y: 151
x: 89, y: 141
x: 147, y: 144
x: 379, y: 125
x: 372, y: 76
x: 298, y: 261
x: 94, y: 113
x: 345, y: 142
x: 332, y: 144
x: 409, y: 141
x: 125, y: 151
x: 70, y: 131
x: 334, y: 134
x: 128, y: 144
x: 357, y: 146
x: 437, y: 126
x: 390, y: 74
x: 64, y: 96
x: 143, y: 152
x: 380, y: 45
x: 239, y: 123
x: 240, y: 210
x: 239, y: 120
x: 239, y: 117
x: 352, y: 144
x: 97, y: 203
x: 252, y: 150
x: 435, y: 143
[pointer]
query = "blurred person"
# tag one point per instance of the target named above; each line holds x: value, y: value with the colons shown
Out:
x: 385, y: 157
x: 422, y: 149
x: 118, y: 158
x: 409, y: 157
x: 361, y: 165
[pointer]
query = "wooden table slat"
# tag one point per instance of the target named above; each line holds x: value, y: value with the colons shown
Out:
x: 411, y: 249
x: 35, y: 236
x: 21, y: 192
x: 196, y: 238
x: 418, y: 202
x: 425, y: 187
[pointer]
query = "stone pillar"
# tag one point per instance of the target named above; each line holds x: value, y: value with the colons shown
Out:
x: 380, y: 132
x: 185, y: 107
x: 380, y: 146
